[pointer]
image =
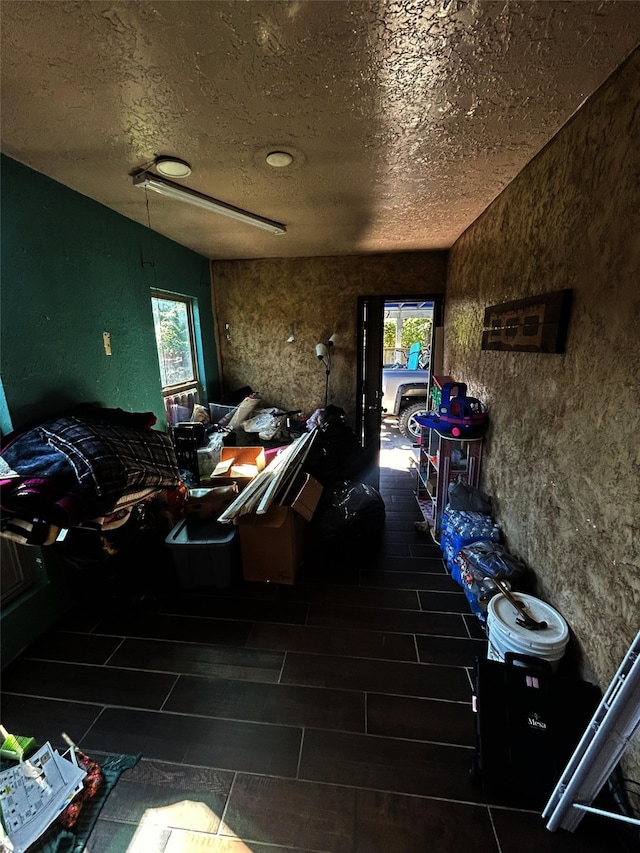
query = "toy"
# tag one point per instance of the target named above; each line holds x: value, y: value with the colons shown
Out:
x: 15, y: 746
x: 457, y: 415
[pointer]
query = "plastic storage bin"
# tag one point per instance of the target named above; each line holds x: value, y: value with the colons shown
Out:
x: 221, y: 415
x: 205, y: 553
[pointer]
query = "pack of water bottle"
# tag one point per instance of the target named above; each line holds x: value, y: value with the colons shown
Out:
x: 477, y: 567
x: 489, y: 559
x: 461, y: 528
x: 467, y: 524
x: 478, y: 593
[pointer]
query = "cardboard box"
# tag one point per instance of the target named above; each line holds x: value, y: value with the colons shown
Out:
x: 238, y: 465
x: 272, y: 544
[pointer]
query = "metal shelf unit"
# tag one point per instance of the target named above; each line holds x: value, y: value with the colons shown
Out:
x: 443, y: 460
x: 605, y: 740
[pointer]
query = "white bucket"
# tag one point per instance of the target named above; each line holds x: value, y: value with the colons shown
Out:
x: 505, y: 635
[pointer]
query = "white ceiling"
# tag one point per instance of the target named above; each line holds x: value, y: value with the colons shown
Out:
x: 405, y: 119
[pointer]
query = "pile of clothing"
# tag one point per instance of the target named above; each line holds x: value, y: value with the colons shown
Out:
x: 89, y: 468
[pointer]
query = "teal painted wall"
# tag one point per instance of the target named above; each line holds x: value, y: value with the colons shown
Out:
x: 71, y: 270
x: 28, y: 616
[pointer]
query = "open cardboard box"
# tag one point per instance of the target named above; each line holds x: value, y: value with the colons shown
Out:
x: 272, y: 544
x: 238, y: 465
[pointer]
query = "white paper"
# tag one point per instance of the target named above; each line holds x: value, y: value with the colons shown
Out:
x: 30, y: 805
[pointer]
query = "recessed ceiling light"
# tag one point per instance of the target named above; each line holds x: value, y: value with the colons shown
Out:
x: 279, y: 159
x: 172, y: 167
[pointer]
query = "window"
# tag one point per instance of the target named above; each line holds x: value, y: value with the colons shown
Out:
x: 173, y: 319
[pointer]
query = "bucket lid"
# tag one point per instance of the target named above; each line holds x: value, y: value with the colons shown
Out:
x: 502, y: 616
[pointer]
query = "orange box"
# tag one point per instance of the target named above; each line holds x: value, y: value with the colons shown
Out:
x: 238, y: 465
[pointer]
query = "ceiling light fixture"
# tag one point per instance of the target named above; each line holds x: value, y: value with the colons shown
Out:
x: 279, y: 159
x: 167, y: 188
x: 172, y: 167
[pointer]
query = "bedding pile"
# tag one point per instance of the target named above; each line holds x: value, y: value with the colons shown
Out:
x: 88, y: 468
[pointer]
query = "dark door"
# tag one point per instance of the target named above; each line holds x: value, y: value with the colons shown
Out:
x: 370, y: 336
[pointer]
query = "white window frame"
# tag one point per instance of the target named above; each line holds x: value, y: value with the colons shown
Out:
x: 191, y: 386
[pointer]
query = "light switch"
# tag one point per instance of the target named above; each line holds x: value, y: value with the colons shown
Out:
x: 106, y: 340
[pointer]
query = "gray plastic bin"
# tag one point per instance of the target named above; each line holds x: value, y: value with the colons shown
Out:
x: 205, y: 553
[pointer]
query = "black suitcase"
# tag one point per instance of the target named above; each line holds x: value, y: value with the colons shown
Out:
x: 528, y: 721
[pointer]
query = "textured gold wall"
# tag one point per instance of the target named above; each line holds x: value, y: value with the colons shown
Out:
x: 562, y: 457
x: 259, y: 300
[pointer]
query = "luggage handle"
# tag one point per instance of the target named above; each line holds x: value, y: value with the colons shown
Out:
x: 531, y: 661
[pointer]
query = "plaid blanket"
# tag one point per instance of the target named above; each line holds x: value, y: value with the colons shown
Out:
x: 71, y: 469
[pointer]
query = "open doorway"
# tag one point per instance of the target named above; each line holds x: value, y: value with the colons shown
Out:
x: 378, y: 417
x: 408, y: 345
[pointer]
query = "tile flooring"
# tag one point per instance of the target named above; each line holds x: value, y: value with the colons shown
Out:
x: 331, y: 716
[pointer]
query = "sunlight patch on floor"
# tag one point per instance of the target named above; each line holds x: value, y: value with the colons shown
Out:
x: 185, y: 841
x: 398, y: 458
x: 183, y: 827
x: 397, y: 453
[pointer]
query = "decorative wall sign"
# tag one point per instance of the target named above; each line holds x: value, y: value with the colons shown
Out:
x: 535, y: 324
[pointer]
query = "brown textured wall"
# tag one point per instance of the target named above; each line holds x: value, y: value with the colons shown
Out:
x: 563, y: 454
x: 260, y: 299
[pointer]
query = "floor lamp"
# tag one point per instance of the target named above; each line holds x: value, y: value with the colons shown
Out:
x: 323, y: 352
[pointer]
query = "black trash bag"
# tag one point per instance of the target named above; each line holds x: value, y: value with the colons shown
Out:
x: 467, y: 498
x: 234, y: 398
x: 349, y: 513
x: 336, y: 453
x: 113, y: 569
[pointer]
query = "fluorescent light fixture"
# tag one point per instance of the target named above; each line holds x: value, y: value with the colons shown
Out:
x: 167, y: 188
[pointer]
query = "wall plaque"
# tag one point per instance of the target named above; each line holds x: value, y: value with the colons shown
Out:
x: 534, y: 324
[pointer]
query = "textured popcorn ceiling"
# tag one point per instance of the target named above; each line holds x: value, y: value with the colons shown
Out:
x: 405, y: 119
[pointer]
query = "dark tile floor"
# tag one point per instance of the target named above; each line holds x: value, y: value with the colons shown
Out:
x: 331, y: 716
